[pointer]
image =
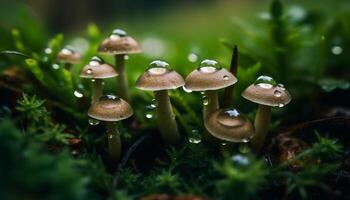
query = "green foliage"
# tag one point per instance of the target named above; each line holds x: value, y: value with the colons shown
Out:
x: 317, y: 163
x: 29, y: 172
x: 241, y: 174
x: 39, y: 123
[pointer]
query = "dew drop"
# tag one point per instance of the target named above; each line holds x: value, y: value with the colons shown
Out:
x: 281, y: 105
x: 48, y: 50
x: 337, y: 50
x: 109, y: 97
x: 67, y: 51
x: 149, y: 115
x: 153, y: 104
x: 226, y: 77
x: 265, y: 82
x: 55, y: 66
x: 110, y: 136
x: 209, y: 66
x: 158, y: 67
x: 240, y: 160
x: 93, y: 122
x: 223, y: 143
x: 245, y: 140
x: 194, y: 139
x: 89, y: 71
x: 277, y: 93
x: 93, y: 80
x: 186, y: 90
x: 117, y: 34
x: 78, y: 94
x: 205, y: 100
x: 126, y: 57
x: 95, y: 61
x: 192, y: 57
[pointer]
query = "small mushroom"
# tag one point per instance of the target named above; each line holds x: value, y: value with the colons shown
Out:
x: 111, y: 109
x: 97, y: 70
x: 267, y: 93
x: 120, y: 44
x: 209, y: 77
x: 68, y: 56
x: 229, y: 125
x: 160, y: 78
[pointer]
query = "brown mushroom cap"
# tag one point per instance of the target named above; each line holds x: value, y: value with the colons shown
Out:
x: 229, y: 125
x: 68, y: 55
x: 110, y: 108
x: 159, y: 76
x: 265, y: 91
x: 119, y: 43
x: 97, y: 69
x: 209, y: 77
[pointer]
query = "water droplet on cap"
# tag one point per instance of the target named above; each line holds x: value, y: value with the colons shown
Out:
x: 265, y: 82
x: 158, y: 67
x: 226, y: 77
x: 117, y: 34
x: 109, y: 97
x: 209, y: 66
x: 277, y: 93
x: 95, y: 61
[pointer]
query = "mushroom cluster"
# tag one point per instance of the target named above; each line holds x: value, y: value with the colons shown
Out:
x: 226, y: 124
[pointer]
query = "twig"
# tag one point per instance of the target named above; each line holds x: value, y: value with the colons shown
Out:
x: 228, y: 94
x: 126, y: 158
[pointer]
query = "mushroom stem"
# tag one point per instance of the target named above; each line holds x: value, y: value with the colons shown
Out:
x: 261, y: 124
x: 96, y: 90
x: 122, y: 79
x: 210, y: 106
x: 114, y: 142
x: 213, y: 102
x: 166, y: 118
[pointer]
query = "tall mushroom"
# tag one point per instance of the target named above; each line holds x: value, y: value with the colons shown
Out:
x: 68, y: 56
x: 111, y: 109
x: 97, y: 70
x: 229, y: 125
x: 160, y: 78
x: 209, y: 78
x: 120, y: 44
x: 267, y: 93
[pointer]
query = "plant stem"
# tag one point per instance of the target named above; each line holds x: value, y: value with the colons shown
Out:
x: 114, y: 142
x: 261, y: 124
x: 96, y: 90
x: 211, y: 106
x: 166, y: 118
x: 122, y: 86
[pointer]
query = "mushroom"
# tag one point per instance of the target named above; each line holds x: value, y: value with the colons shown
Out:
x: 97, y: 70
x: 68, y: 56
x: 267, y: 93
x: 209, y: 77
x: 111, y: 109
x: 119, y: 44
x: 229, y: 125
x: 160, y: 78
